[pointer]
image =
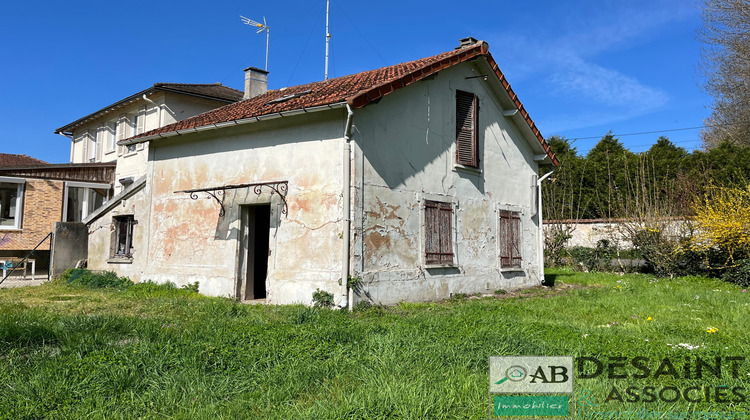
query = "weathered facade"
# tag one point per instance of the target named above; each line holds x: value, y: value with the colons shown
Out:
x: 418, y: 179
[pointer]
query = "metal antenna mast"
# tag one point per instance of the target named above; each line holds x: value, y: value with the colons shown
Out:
x: 328, y: 35
x: 261, y: 27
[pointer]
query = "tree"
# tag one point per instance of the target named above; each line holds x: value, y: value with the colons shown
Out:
x: 726, y: 62
x: 606, y: 176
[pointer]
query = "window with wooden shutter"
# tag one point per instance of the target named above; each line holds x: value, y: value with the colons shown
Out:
x: 112, y: 136
x: 438, y: 226
x: 93, y: 136
x: 510, y: 239
x: 467, y: 110
x: 122, y: 132
x: 141, y: 128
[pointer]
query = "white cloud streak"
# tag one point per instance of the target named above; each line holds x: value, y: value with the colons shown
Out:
x: 565, y: 65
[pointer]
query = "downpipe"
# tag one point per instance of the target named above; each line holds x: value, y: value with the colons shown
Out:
x: 541, y: 224
x: 347, y: 295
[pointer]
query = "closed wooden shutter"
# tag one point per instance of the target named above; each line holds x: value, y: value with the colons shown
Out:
x: 122, y: 130
x: 438, y: 232
x: 94, y: 139
x: 112, y: 136
x: 510, y: 239
x: 466, y: 129
x: 141, y: 125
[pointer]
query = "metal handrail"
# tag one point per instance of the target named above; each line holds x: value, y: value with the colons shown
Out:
x: 13, y: 269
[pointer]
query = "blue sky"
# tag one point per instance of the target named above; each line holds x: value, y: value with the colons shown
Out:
x: 581, y: 67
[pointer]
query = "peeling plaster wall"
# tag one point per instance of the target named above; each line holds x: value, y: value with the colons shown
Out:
x: 101, y: 235
x: 405, y: 153
x: 189, y: 241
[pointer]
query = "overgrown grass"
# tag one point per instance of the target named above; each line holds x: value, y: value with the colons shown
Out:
x: 152, y: 351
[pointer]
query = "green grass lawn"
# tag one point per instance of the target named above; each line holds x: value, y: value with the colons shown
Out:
x: 149, y: 352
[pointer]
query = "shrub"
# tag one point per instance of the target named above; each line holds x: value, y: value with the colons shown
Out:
x: 665, y: 246
x: 593, y: 259
x: 95, y: 279
x: 722, y: 217
x: 739, y: 274
x: 555, y: 239
x: 322, y: 299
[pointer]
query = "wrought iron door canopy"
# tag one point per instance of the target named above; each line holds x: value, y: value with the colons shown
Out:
x: 217, y: 193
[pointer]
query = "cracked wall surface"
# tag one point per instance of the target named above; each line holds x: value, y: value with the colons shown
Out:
x: 188, y: 241
x: 405, y: 154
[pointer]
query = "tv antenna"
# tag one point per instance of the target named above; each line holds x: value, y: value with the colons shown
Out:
x: 261, y: 28
x: 328, y: 35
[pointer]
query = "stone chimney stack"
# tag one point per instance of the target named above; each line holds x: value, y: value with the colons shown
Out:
x: 256, y: 82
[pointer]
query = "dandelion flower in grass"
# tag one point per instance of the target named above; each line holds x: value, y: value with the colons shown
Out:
x: 712, y: 330
x: 649, y: 319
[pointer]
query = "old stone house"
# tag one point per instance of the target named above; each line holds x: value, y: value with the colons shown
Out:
x: 418, y: 180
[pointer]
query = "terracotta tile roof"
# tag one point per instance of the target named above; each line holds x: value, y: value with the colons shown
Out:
x: 215, y: 91
x: 357, y: 90
x: 7, y: 159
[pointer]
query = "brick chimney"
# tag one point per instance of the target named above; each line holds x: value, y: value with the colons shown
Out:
x: 256, y: 82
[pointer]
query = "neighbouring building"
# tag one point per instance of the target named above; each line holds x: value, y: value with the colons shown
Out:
x: 94, y: 137
x: 418, y: 180
x: 34, y: 195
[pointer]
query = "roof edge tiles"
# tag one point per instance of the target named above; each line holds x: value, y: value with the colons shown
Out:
x: 357, y: 90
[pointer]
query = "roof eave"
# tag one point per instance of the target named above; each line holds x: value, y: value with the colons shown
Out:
x: 65, y: 130
x: 232, y: 123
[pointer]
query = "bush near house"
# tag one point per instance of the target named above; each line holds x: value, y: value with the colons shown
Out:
x: 155, y: 351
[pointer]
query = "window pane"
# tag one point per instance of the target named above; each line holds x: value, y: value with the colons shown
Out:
x: 8, y: 200
x: 75, y: 204
x: 97, y: 197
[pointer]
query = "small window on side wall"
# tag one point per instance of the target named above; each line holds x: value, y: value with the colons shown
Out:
x: 467, y: 110
x: 438, y: 228
x: 510, y: 239
x: 122, y: 241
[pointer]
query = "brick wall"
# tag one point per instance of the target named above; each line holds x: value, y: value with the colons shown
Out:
x: 42, y: 207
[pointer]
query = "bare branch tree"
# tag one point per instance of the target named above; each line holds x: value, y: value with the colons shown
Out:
x: 726, y: 63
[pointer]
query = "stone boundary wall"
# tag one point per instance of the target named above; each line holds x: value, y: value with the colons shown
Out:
x: 587, y: 233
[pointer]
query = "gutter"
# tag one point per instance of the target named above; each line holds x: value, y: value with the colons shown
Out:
x: 158, y: 109
x: 347, y: 295
x: 232, y: 123
x: 541, y: 224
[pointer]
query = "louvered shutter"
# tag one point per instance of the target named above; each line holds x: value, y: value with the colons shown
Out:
x: 466, y: 129
x: 141, y: 125
x: 510, y: 239
x: 94, y: 144
x: 438, y: 232
x: 122, y: 129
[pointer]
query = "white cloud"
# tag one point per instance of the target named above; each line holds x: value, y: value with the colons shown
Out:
x: 605, y: 86
x: 562, y: 60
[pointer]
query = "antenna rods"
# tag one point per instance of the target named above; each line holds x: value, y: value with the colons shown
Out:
x: 261, y: 27
x: 328, y: 36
